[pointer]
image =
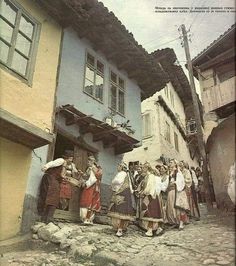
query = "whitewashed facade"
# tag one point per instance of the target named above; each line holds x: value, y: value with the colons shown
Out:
x: 161, y: 136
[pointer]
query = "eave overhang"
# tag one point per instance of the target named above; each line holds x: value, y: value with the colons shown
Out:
x: 172, y: 116
x: 226, y: 110
x: 220, y: 50
x: 167, y: 58
x: 22, y: 132
x: 178, y: 79
x: 91, y: 20
x: 111, y: 137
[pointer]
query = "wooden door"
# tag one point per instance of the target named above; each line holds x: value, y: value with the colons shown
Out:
x: 80, y: 158
x: 73, y: 214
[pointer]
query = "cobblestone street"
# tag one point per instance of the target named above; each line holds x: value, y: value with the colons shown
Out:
x: 210, y: 241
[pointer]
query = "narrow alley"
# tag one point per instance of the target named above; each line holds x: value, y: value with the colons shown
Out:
x: 209, y: 241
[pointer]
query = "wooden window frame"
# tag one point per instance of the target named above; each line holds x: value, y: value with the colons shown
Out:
x: 166, y: 90
x: 150, y: 126
x: 96, y: 71
x: 118, y: 88
x: 167, y: 132
x: 176, y: 141
x: 20, y: 11
x: 172, y: 98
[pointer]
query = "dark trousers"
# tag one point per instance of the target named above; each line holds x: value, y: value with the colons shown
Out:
x: 48, y: 214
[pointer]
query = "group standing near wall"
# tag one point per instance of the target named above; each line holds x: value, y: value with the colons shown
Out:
x: 153, y: 198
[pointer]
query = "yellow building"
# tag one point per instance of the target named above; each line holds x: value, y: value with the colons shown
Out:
x: 29, y: 54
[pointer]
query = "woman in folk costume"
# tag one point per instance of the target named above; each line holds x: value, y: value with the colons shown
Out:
x: 151, y: 210
x: 65, y: 187
x: 49, y: 191
x: 90, y: 197
x: 184, y: 168
x: 121, y: 210
x: 164, y: 175
x: 177, y: 203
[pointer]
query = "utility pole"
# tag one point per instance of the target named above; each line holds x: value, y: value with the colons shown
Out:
x: 197, y: 116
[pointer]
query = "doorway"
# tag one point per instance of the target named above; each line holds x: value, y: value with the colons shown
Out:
x: 72, y: 213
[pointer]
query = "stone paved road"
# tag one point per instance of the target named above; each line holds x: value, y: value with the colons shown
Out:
x: 210, y: 241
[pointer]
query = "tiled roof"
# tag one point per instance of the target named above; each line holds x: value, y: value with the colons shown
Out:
x: 220, y: 39
x: 179, y: 80
x: 93, y: 21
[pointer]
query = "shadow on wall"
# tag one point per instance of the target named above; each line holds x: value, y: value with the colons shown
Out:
x: 30, y: 213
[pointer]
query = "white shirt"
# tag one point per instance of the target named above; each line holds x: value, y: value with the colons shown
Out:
x: 92, y: 179
x: 118, y: 180
x: 180, y: 183
x: 165, y: 184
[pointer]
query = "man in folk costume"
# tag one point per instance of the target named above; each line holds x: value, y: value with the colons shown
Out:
x: 177, y: 203
x: 121, y: 210
x: 184, y: 168
x: 133, y: 173
x: 65, y: 187
x: 90, y: 201
x: 201, y: 188
x: 137, y: 180
x: 151, y: 211
x: 138, y: 177
x: 49, y: 191
x: 194, y: 189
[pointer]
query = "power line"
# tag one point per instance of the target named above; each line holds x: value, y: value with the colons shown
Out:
x: 194, y: 19
x: 186, y: 16
x: 157, y: 38
x: 167, y: 42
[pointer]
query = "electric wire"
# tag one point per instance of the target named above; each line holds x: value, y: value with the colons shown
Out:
x: 195, y: 18
x: 165, y: 43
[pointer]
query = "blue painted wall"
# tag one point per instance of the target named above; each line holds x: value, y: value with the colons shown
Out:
x: 71, y: 82
x: 70, y: 91
x: 39, y: 157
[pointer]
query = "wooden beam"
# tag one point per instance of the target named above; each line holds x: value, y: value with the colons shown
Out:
x: 74, y: 119
x: 76, y: 140
x: 21, y: 131
x: 111, y: 142
x: 218, y: 59
x: 86, y: 128
x: 123, y: 149
x: 102, y: 134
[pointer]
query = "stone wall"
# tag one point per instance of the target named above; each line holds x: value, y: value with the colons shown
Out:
x: 221, y: 151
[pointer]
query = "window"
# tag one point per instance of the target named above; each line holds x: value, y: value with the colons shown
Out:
x: 172, y: 99
x: 167, y: 132
x: 176, y: 141
x: 146, y: 125
x: 17, y: 39
x: 117, y: 93
x: 166, y: 92
x: 94, y: 77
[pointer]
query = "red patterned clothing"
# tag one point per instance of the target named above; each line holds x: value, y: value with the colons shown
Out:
x: 65, y: 190
x: 90, y: 196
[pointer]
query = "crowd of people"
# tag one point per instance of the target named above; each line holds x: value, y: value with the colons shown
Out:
x: 152, y: 197
x: 155, y: 197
